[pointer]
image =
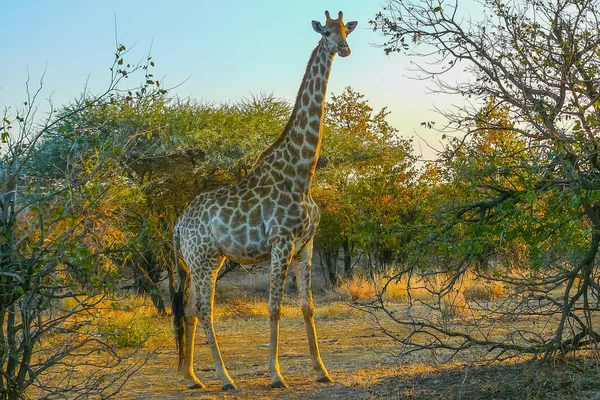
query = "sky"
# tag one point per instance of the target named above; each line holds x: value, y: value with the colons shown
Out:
x: 216, y: 51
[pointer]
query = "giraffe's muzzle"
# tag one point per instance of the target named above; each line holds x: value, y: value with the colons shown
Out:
x: 343, y: 49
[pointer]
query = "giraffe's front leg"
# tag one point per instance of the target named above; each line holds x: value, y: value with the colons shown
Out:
x: 303, y: 265
x: 280, y: 261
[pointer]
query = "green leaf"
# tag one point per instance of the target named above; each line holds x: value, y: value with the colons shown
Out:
x: 95, y: 280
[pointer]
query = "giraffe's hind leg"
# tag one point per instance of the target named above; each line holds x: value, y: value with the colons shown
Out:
x: 189, y: 326
x: 303, y: 265
x: 280, y: 260
x: 206, y: 282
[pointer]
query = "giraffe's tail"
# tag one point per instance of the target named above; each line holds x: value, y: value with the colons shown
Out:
x: 179, y: 281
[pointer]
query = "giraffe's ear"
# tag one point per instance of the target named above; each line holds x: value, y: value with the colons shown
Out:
x: 351, y: 25
x: 317, y: 26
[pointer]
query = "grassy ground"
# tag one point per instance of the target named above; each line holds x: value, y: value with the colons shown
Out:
x: 360, y: 359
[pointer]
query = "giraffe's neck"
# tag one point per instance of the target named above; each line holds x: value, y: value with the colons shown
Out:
x: 293, y: 156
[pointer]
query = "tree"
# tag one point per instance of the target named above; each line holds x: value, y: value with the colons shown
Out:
x: 176, y: 150
x: 531, y: 139
x: 54, y: 253
x: 362, y: 188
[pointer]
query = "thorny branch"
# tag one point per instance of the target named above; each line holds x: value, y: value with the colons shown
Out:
x: 539, y: 62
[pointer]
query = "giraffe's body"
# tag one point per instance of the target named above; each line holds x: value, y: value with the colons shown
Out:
x: 264, y: 221
x: 270, y: 214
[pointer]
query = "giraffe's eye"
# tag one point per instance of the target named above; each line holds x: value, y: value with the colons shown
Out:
x: 326, y: 33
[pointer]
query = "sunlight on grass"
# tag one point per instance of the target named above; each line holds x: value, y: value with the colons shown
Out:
x: 452, y: 303
x: 130, y: 322
x: 357, y: 288
x: 250, y: 307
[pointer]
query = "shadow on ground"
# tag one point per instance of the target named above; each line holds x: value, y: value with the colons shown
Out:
x: 574, y: 378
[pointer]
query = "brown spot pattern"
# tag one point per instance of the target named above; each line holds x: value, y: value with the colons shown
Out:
x: 269, y: 214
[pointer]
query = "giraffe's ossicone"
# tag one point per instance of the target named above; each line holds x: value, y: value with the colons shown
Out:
x: 269, y: 214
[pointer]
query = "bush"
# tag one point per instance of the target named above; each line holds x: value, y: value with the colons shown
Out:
x: 133, y: 332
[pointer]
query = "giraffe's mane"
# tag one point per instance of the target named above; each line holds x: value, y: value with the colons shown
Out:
x: 289, y: 126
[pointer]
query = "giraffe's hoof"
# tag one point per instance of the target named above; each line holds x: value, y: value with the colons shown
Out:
x: 197, y: 385
x: 278, y: 385
x: 325, y: 379
x: 228, y: 386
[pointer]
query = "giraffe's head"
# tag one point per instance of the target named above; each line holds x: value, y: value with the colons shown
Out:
x: 334, y: 33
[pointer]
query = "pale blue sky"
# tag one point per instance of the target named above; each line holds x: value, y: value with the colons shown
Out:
x: 226, y: 50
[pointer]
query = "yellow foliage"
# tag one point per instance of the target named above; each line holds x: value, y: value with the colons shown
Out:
x: 426, y: 288
x: 358, y: 288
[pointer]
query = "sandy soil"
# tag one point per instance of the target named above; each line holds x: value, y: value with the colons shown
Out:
x: 360, y: 359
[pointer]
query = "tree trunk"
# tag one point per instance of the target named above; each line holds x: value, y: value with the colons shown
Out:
x: 328, y: 260
x: 347, y: 258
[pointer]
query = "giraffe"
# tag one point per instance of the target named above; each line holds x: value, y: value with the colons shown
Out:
x: 269, y: 214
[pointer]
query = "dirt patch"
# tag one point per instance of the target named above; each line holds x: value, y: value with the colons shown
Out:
x: 360, y: 359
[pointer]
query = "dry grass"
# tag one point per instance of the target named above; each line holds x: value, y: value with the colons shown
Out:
x: 105, y: 344
x: 362, y: 288
x: 451, y: 303
x: 481, y: 290
x: 255, y: 307
x: 419, y: 287
x: 130, y: 322
x: 357, y: 288
x: 359, y: 357
x: 360, y: 360
x: 120, y: 322
x: 256, y: 283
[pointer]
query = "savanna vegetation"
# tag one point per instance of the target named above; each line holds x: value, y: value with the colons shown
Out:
x: 486, y: 255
